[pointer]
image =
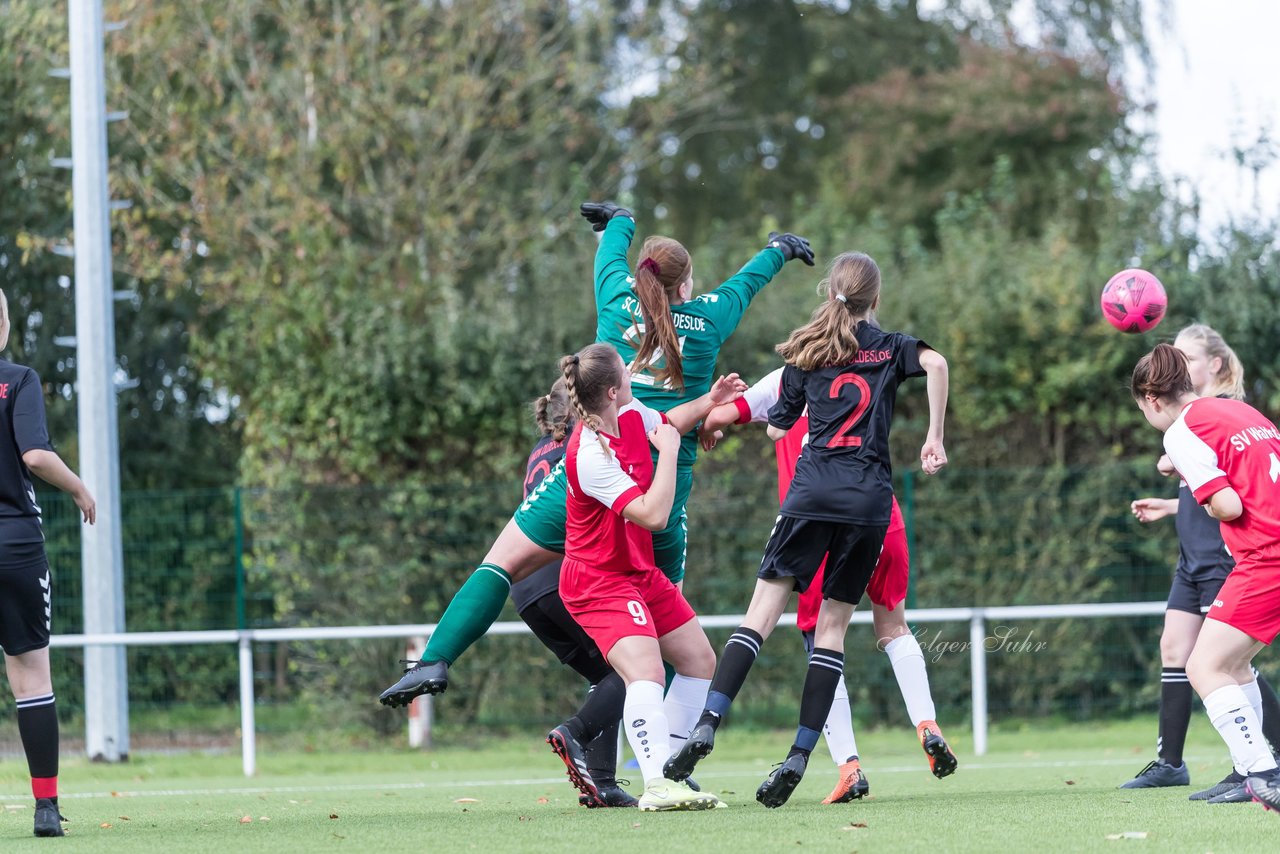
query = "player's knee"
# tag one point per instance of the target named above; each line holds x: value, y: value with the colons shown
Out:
x: 1203, y: 671
x: 889, y: 625
x: 1175, y: 650
x: 702, y: 662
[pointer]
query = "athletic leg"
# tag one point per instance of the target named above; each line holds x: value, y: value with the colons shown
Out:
x: 826, y: 666
x: 32, y: 687
x: 1218, y: 666
x: 473, y: 609
x: 25, y: 595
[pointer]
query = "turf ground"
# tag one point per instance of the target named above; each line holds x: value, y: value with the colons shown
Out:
x: 1039, y: 789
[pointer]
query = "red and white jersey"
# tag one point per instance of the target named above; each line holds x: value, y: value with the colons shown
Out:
x: 753, y: 407
x: 1217, y: 443
x: 601, y: 484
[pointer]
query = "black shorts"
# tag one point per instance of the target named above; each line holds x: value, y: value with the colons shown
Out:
x: 25, y: 606
x: 797, y: 546
x: 1193, y: 595
x: 556, y: 628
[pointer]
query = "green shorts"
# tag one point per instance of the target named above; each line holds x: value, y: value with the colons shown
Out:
x: 541, y: 518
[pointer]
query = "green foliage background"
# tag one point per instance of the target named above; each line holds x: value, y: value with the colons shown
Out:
x: 354, y: 255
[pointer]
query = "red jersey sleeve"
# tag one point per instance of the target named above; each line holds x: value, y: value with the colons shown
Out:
x: 601, y: 477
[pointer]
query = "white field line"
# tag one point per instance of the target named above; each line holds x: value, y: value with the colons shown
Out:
x: 873, y: 770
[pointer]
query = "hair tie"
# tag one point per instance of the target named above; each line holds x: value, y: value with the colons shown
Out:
x: 575, y: 359
x: 652, y: 266
x: 842, y: 299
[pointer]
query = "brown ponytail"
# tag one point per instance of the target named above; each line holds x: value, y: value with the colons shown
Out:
x: 554, y: 413
x: 664, y: 266
x: 852, y: 286
x: 1161, y: 373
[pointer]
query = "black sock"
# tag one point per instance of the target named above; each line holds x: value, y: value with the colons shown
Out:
x: 1270, y: 712
x: 826, y: 666
x: 602, y: 708
x: 735, y: 663
x: 1175, y: 714
x: 38, y: 728
x: 602, y: 756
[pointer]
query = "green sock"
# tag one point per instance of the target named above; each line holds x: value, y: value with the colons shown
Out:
x: 471, y: 612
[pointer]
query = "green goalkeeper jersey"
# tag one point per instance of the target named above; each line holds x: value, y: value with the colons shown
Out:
x: 703, y: 324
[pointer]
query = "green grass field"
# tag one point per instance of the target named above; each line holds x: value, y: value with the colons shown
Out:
x: 1041, y: 789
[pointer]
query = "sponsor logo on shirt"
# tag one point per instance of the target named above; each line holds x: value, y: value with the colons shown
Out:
x: 872, y: 356
x: 1217, y: 603
x: 1249, y: 435
x: 4, y: 390
x: 681, y: 321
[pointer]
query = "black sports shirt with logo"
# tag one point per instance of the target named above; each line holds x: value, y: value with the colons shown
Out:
x: 1202, y: 555
x: 546, y: 580
x: 844, y: 474
x: 22, y: 428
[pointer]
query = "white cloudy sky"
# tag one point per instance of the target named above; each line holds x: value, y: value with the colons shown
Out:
x: 1217, y: 85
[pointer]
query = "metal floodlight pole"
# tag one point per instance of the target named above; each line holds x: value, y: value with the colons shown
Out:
x: 105, y: 673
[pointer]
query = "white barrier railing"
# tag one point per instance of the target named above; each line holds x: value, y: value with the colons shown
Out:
x: 976, y: 617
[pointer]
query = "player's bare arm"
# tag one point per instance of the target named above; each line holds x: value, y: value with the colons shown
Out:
x: 1224, y: 505
x: 50, y: 468
x: 933, y: 455
x: 686, y: 416
x: 652, y: 509
x: 1152, y: 509
x: 712, y: 429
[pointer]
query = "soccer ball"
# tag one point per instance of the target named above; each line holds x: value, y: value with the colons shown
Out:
x: 1134, y: 301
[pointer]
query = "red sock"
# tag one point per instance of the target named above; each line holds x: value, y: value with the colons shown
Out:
x: 44, y: 787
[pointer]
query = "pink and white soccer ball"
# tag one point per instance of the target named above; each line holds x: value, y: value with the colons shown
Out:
x: 1134, y: 301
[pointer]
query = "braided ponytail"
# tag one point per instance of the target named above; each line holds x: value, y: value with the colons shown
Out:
x: 588, y: 376
x: 571, y: 369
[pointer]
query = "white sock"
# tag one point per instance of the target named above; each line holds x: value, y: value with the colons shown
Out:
x: 913, y: 680
x: 1254, y: 695
x: 838, y: 730
x: 1233, y: 716
x: 647, y: 728
x: 685, y: 700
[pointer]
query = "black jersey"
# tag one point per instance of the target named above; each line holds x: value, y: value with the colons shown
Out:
x: 22, y: 429
x: 843, y: 474
x: 1202, y: 555
x: 546, y: 580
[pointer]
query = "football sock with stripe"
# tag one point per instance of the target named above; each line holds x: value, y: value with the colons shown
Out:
x: 907, y: 659
x: 838, y: 730
x: 1175, y: 714
x: 735, y: 663
x: 471, y: 612
x: 645, y: 724
x: 826, y: 667
x: 1237, y: 723
x: 38, y: 729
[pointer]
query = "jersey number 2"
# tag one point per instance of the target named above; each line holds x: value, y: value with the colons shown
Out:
x: 842, y: 438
